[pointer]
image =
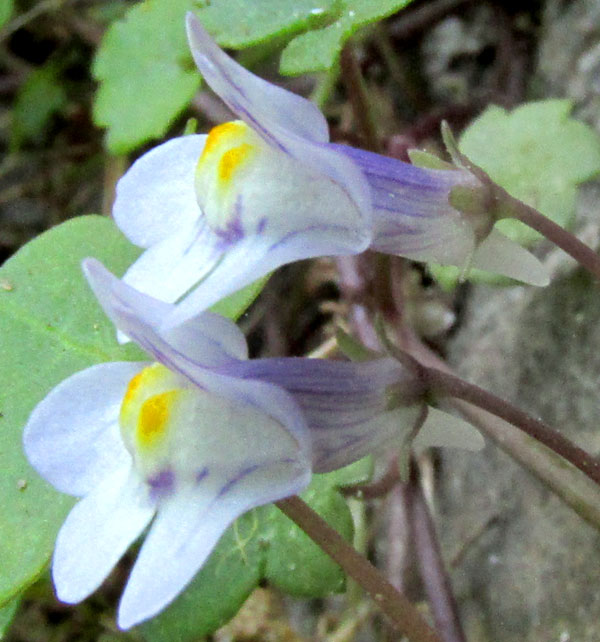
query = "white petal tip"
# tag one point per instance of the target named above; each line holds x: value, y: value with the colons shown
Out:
x: 447, y: 431
x: 126, y: 620
x: 497, y: 253
x: 122, y: 338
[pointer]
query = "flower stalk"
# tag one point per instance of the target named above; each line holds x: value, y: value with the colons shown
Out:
x: 400, y: 611
x: 431, y: 565
x: 578, y: 491
x: 569, y: 243
x: 438, y: 383
x: 444, y: 384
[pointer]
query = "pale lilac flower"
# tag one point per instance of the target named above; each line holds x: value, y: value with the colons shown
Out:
x: 217, y: 212
x: 188, y: 443
x: 173, y: 444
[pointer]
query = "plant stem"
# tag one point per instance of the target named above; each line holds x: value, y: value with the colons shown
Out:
x: 563, y: 479
x: 442, y: 383
x: 402, y: 613
x: 431, y: 566
x: 569, y: 243
x: 358, y: 98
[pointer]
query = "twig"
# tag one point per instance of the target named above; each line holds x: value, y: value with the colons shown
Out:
x: 402, y: 613
x: 431, y: 566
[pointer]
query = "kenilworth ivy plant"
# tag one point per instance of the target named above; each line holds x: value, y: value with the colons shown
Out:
x: 132, y: 416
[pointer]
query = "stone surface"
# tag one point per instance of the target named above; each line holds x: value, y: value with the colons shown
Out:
x: 528, y: 567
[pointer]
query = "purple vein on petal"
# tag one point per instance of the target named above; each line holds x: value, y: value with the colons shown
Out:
x: 238, y: 478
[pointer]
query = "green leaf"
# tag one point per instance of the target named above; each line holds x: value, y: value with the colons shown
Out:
x: 235, y: 304
x: 295, y: 564
x: 39, y: 98
x: 318, y: 50
x: 257, y: 21
x: 51, y: 327
x: 145, y: 72
x: 6, y: 11
x: 263, y: 544
x: 538, y: 154
x: 7, y: 613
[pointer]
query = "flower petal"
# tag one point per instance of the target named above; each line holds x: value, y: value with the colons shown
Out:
x: 209, y: 339
x: 256, y: 256
x: 189, y: 524
x: 156, y: 196
x: 72, y: 437
x: 286, y: 122
x: 283, y: 212
x: 193, y: 353
x: 96, y: 533
x: 443, y: 430
x: 262, y: 104
x: 176, y: 264
x: 497, y: 253
x: 345, y: 404
x: 412, y: 216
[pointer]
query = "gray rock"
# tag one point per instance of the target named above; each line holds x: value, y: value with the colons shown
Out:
x: 527, y: 567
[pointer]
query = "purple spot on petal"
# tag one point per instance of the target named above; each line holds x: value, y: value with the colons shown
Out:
x: 234, y: 230
x: 161, y: 483
x: 262, y: 224
x: 201, y: 474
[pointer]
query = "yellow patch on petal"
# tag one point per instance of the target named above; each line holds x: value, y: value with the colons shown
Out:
x: 231, y: 160
x: 222, y: 134
x: 133, y: 387
x: 149, y: 382
x: 226, y: 148
x: 153, y: 420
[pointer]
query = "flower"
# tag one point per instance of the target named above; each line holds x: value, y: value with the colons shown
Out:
x: 172, y: 443
x: 190, y: 442
x: 217, y: 212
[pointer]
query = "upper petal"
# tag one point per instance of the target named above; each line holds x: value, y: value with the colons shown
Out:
x: 156, y: 197
x: 72, y: 437
x: 262, y: 104
x: 97, y: 531
x: 288, y: 123
x: 209, y: 340
x: 190, y: 351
